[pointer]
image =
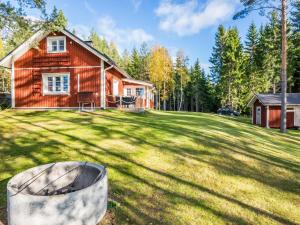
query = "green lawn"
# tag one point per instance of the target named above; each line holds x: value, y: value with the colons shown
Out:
x: 166, y: 168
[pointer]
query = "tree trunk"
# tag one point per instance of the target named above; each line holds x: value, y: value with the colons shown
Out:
x: 3, y: 87
x: 165, y: 106
x: 229, y: 95
x: 181, y: 93
x: 197, y: 101
x: 283, y: 66
x: 174, y: 99
x: 159, y: 99
x: 178, y: 101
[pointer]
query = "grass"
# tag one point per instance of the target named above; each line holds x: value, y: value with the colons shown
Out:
x: 166, y: 168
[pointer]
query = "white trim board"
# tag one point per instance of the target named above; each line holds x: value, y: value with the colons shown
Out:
x: 137, y: 82
x: 21, y: 49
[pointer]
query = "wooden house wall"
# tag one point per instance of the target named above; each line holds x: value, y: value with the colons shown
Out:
x: 275, y: 117
x: 28, y: 82
x: 112, y: 75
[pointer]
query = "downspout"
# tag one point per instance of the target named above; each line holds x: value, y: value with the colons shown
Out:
x: 12, y: 83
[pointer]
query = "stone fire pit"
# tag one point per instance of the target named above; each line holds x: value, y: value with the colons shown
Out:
x: 64, y: 193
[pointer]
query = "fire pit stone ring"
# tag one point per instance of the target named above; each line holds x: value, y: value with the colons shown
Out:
x: 64, y: 193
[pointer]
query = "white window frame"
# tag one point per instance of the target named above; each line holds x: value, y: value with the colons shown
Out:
x: 57, y: 39
x: 130, y: 90
x: 115, y: 91
x: 143, y: 91
x: 45, y: 84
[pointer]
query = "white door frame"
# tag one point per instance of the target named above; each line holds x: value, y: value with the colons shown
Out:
x: 297, y: 116
x: 258, y: 122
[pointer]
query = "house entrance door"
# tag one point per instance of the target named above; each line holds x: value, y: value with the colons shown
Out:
x: 258, y: 115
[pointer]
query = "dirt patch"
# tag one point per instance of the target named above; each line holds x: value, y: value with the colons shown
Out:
x: 3, y: 220
x: 109, y: 218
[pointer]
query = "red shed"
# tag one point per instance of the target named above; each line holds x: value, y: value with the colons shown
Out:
x: 59, y: 70
x: 266, y: 110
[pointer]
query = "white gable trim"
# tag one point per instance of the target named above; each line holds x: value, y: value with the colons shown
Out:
x: 253, y: 99
x: 84, y: 45
x: 21, y: 49
x: 89, y: 48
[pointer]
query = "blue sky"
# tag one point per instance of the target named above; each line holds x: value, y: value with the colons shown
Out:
x: 189, y: 25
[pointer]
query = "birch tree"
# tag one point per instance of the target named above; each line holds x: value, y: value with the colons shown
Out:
x: 180, y: 77
x: 160, y: 71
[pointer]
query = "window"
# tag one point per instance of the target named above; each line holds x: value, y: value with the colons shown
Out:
x: 139, y: 91
x: 56, y: 83
x: 115, y: 88
x: 56, y: 44
x: 128, y: 93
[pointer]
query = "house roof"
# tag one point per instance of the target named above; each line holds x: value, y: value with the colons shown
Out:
x: 275, y: 99
x: 141, y: 82
x: 39, y: 35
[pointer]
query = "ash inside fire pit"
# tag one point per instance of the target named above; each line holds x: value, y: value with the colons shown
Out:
x: 70, y: 192
x: 56, y: 180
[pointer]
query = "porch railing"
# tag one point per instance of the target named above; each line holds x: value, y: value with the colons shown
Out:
x: 125, y: 101
x: 86, y: 99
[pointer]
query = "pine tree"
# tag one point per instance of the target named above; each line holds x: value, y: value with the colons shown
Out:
x: 125, y: 61
x: 227, y: 67
x: 295, y: 16
x: 251, y: 58
x: 13, y: 16
x: 294, y: 50
x: 144, y: 61
x: 56, y: 21
x: 217, y: 55
x: 135, y: 64
x: 279, y: 6
x: 198, y: 87
x: 273, y: 42
x: 232, y: 71
x: 102, y: 45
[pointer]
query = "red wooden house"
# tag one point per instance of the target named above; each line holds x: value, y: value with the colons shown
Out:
x: 61, y: 71
x: 266, y: 110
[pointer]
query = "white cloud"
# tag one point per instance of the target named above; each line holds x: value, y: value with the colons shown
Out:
x: 82, y: 31
x: 89, y: 8
x: 127, y: 37
x: 189, y: 18
x: 136, y: 4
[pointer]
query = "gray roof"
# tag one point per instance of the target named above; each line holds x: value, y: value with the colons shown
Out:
x: 275, y: 99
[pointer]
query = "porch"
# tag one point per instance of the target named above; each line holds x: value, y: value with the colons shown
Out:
x: 87, y: 102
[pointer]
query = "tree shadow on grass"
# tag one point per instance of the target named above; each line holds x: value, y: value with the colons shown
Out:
x: 174, y: 130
